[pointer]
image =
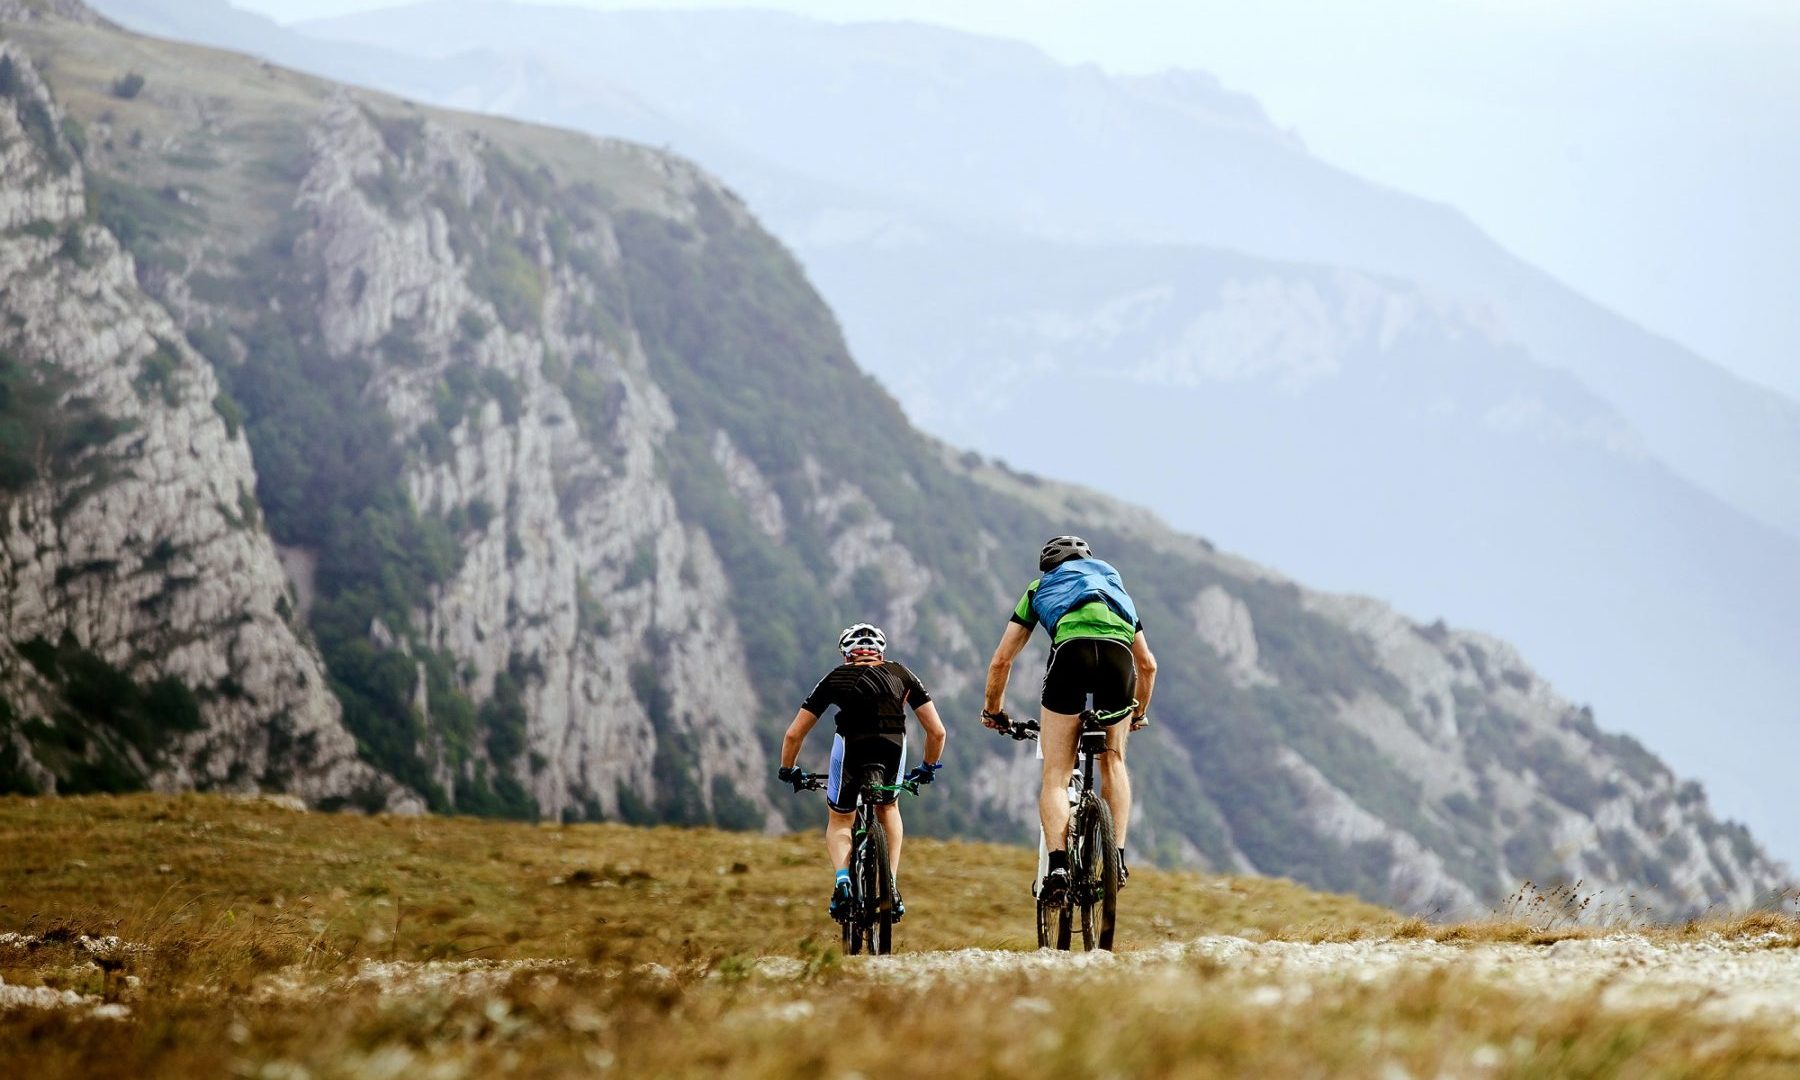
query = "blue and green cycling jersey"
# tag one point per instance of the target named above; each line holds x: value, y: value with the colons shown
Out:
x: 1094, y: 619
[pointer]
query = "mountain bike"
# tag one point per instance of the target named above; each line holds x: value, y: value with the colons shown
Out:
x: 1092, y: 844
x: 869, y: 924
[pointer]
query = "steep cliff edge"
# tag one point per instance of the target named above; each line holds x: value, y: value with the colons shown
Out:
x: 575, y: 481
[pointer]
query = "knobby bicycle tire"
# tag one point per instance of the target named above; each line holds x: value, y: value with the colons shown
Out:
x: 1055, y: 924
x: 1052, y: 924
x: 856, y: 923
x: 852, y: 922
x: 880, y: 898
x: 1100, y: 873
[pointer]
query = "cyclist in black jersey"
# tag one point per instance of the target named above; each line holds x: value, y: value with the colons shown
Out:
x: 1097, y: 649
x: 871, y: 693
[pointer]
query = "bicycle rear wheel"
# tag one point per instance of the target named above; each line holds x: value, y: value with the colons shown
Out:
x: 880, y: 895
x: 1097, y: 877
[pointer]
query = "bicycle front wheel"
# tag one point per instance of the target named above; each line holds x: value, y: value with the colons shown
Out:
x: 1097, y: 879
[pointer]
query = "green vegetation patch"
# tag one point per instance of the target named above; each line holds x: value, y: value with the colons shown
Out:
x: 43, y: 432
x: 159, y: 374
x: 128, y: 86
x: 148, y: 223
x: 503, y: 720
x: 109, y: 730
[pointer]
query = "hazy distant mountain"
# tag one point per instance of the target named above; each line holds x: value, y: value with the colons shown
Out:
x: 1414, y: 441
x: 994, y: 131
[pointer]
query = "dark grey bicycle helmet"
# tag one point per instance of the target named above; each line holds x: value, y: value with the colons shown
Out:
x: 1060, y: 550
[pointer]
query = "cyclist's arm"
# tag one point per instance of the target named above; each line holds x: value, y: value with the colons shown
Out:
x: 1146, y: 671
x: 1000, y: 668
x: 934, y: 732
x: 796, y: 734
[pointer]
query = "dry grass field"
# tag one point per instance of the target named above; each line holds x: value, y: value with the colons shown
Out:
x: 202, y: 936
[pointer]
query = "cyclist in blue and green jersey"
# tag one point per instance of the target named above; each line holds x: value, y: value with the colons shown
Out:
x: 1097, y: 651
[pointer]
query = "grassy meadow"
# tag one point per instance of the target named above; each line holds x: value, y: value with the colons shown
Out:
x: 258, y: 941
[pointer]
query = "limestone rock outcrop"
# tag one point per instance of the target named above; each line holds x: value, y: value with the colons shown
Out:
x: 137, y: 540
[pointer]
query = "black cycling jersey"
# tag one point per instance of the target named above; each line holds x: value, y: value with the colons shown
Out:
x: 871, y: 698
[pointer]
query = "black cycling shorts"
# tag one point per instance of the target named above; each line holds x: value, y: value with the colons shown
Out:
x: 852, y: 757
x: 1082, y: 666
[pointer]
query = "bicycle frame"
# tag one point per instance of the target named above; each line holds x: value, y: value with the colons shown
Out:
x: 865, y: 806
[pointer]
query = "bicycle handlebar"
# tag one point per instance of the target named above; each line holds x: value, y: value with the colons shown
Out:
x: 816, y: 782
x: 1019, y: 730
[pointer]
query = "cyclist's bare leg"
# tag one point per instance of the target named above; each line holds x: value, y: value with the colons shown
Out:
x: 837, y: 838
x: 1115, y: 782
x: 1057, y: 734
x: 889, y: 816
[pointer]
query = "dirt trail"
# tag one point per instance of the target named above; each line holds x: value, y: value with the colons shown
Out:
x: 1726, y: 978
x: 1729, y: 979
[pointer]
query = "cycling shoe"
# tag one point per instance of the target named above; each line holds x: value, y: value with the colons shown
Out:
x: 1054, y: 892
x: 840, y: 901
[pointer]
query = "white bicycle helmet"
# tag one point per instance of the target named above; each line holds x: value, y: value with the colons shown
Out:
x: 863, y: 637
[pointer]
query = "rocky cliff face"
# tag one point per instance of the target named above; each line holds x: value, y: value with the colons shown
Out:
x: 1508, y: 763
x: 144, y: 635
x: 575, y: 483
x: 556, y: 512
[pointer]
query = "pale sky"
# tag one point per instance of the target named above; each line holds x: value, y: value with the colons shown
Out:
x: 1644, y: 151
